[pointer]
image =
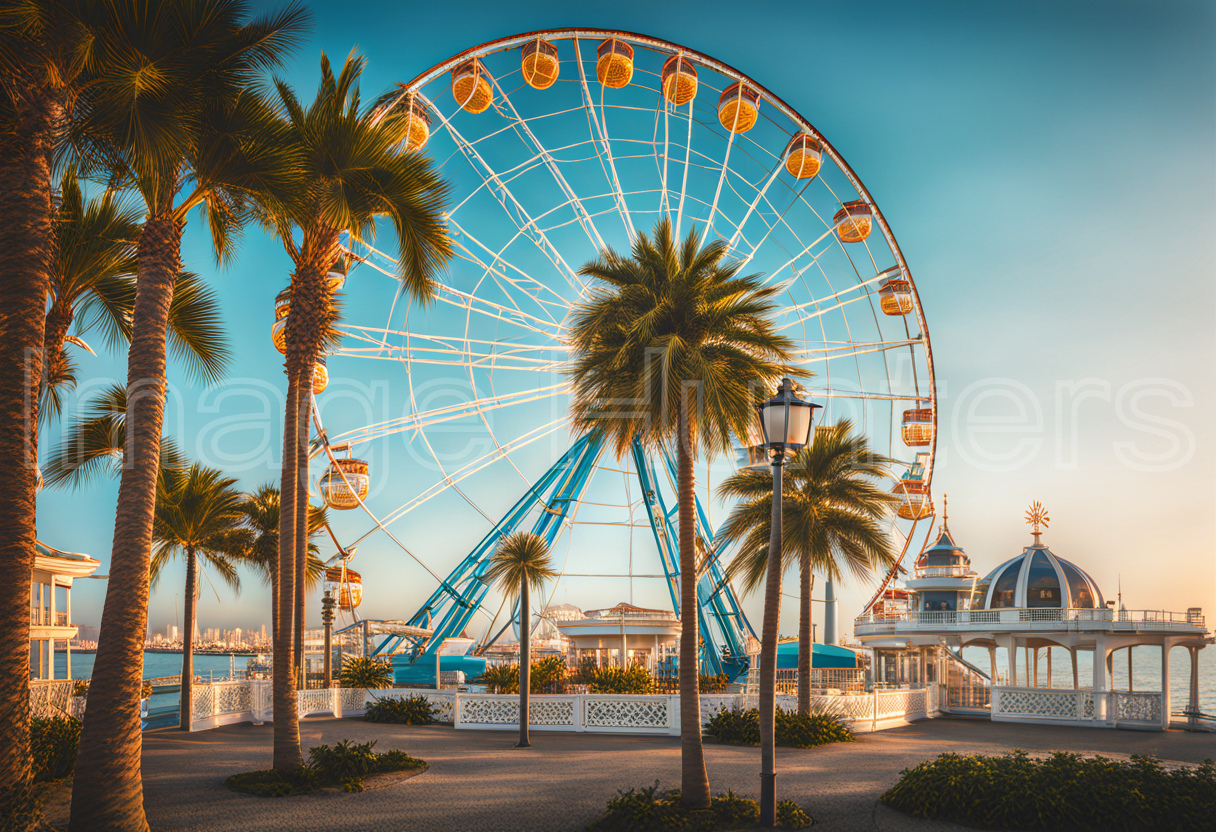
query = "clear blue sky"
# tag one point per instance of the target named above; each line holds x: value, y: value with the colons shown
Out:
x: 1049, y: 171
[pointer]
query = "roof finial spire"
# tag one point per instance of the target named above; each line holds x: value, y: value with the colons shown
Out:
x: 1037, y: 516
x: 945, y: 514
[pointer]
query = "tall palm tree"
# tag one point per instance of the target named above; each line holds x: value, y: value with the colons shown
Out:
x: 175, y: 118
x: 832, y: 509
x: 352, y: 169
x: 261, y: 510
x: 521, y: 564
x: 199, y: 516
x: 675, y: 346
x: 43, y: 44
x: 93, y: 286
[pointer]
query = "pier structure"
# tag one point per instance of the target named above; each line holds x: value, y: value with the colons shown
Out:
x: 1023, y: 607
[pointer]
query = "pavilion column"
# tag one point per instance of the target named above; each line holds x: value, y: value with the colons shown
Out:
x: 1110, y: 670
x: 68, y: 654
x: 992, y: 665
x: 1049, y: 683
x: 1193, y: 701
x: 1130, y: 684
x: 1076, y: 678
x: 1165, y: 683
x: 1011, y: 649
x: 1099, y: 678
x: 1036, y: 667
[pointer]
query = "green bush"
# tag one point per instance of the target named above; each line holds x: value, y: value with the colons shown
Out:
x: 408, y: 710
x: 649, y: 810
x: 713, y: 684
x: 344, y: 765
x: 791, y: 815
x: 1061, y: 791
x: 366, y: 672
x: 612, y: 679
x: 53, y: 744
x: 547, y: 676
x: 743, y: 728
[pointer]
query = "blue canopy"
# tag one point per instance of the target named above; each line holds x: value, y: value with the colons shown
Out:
x: 822, y: 655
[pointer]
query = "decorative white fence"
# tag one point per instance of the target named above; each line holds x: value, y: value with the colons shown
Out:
x: 1084, y: 707
x: 225, y: 703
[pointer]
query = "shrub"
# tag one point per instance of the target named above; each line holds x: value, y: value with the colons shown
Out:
x: 613, y: 679
x: 344, y: 765
x: 53, y: 744
x: 712, y: 684
x: 500, y: 678
x: 1061, y: 791
x: 791, y: 816
x: 366, y: 672
x: 743, y: 728
x: 408, y: 710
x: 649, y: 810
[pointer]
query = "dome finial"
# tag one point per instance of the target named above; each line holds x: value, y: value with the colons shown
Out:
x: 945, y: 513
x: 1037, y: 516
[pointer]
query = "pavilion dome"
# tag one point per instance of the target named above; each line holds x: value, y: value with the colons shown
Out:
x: 1038, y: 578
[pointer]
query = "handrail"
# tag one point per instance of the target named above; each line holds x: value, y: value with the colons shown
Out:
x: 1007, y: 615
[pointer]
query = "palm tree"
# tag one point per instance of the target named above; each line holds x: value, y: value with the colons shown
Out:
x: 198, y: 515
x: 522, y: 563
x: 832, y: 510
x: 42, y: 47
x: 175, y: 118
x: 351, y: 168
x: 686, y: 343
x: 261, y: 510
x: 93, y: 286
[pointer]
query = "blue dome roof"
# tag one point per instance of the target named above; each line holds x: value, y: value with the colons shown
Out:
x: 944, y: 552
x: 1037, y: 578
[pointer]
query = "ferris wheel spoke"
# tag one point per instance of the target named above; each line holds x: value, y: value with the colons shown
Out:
x: 772, y: 177
x: 713, y: 209
x: 852, y: 350
x: 522, y: 126
x: 523, y: 277
x: 450, y: 480
x: 687, y: 160
x: 504, y: 196
x: 599, y: 127
x: 451, y: 413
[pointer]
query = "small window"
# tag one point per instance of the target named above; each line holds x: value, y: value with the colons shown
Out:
x: 1004, y: 592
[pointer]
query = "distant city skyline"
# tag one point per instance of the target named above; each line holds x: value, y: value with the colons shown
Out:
x: 1047, y: 169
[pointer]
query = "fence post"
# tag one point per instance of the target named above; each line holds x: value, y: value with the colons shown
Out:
x: 335, y: 699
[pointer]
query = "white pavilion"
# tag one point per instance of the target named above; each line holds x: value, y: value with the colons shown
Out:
x: 51, y: 624
x: 1027, y: 604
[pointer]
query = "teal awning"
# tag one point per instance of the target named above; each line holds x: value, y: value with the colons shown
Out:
x: 822, y: 656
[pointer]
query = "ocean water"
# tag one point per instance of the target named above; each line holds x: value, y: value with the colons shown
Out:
x: 1145, y: 675
x: 155, y: 665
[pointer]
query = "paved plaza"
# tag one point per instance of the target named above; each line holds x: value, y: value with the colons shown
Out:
x: 477, y: 781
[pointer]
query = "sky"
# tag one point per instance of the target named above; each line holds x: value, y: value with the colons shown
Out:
x: 1049, y: 170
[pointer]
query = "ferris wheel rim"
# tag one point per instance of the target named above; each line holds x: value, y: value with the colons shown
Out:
x: 660, y: 44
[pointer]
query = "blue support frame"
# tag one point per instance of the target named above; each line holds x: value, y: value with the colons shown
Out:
x: 452, y: 605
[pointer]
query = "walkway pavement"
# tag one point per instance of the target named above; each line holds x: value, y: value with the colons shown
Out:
x: 477, y: 781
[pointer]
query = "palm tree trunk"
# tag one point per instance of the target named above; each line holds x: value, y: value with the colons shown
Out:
x: 694, y: 779
x: 287, y: 754
x: 107, y: 792
x: 58, y: 322
x: 806, y: 582
x: 768, y: 662
x: 304, y: 388
x: 525, y: 663
x: 25, y: 234
x: 187, y: 706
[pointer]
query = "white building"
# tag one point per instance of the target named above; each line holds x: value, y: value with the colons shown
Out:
x: 51, y: 626
x: 1033, y: 601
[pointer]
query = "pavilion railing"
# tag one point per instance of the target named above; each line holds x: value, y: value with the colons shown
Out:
x: 1117, y: 619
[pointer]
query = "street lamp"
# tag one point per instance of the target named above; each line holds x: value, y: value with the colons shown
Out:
x: 786, y: 422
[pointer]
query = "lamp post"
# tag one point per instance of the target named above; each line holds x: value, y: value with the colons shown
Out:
x: 786, y: 422
x: 327, y: 618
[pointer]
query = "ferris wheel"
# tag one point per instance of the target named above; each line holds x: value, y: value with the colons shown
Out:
x: 555, y: 145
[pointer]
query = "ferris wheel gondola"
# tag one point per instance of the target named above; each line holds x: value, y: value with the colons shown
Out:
x: 555, y: 145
